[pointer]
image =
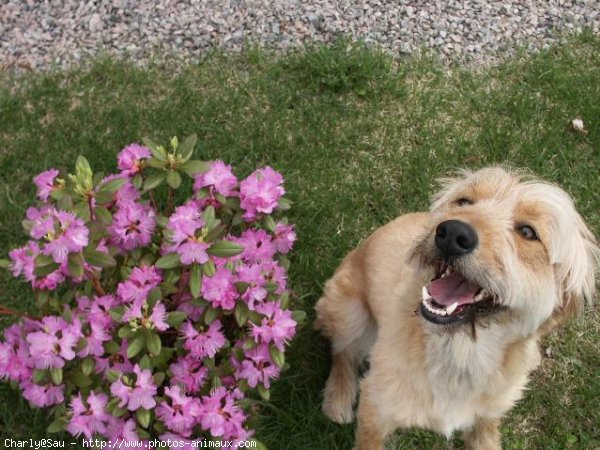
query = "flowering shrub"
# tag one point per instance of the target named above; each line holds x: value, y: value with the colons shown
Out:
x: 157, y: 321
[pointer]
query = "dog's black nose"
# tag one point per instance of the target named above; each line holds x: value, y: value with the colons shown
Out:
x: 455, y: 238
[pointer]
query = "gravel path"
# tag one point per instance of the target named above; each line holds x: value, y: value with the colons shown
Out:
x: 39, y: 34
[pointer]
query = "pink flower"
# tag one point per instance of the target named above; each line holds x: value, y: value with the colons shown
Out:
x: 64, y: 231
x: 89, y: 419
x: 284, y: 237
x: 180, y: 414
x: 44, y: 395
x: 23, y: 260
x: 133, y: 225
x: 123, y: 431
x: 45, y: 183
x: 220, y: 290
x: 49, y: 350
x: 275, y: 274
x: 97, y: 310
x: 260, y: 192
x: 219, y: 178
x: 193, y: 251
x: 95, y: 334
x: 14, y: 356
x: 189, y: 372
x: 204, y: 344
x: 257, y: 246
x: 141, y: 281
x: 257, y: 367
x: 220, y: 416
x: 135, y: 393
x: 253, y: 276
x: 278, y: 327
x: 130, y: 159
x: 117, y: 361
x: 127, y: 192
x: 183, y: 225
x: 184, y: 222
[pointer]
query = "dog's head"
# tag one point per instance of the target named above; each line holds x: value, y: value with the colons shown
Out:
x: 500, y: 246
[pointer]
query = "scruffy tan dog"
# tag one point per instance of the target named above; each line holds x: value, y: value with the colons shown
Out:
x: 449, y: 307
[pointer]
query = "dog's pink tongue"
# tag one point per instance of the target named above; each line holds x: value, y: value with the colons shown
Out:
x: 452, y: 289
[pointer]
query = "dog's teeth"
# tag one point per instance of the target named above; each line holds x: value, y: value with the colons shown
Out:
x: 480, y: 296
x: 425, y: 294
x: 450, y: 309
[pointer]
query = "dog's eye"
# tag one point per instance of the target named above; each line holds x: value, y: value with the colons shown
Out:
x: 463, y: 201
x: 528, y: 233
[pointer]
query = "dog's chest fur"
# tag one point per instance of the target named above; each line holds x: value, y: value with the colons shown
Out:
x: 472, y: 377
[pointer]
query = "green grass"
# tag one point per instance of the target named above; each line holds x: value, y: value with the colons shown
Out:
x: 360, y: 138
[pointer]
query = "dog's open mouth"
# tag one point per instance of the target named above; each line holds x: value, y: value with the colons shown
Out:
x: 451, y: 298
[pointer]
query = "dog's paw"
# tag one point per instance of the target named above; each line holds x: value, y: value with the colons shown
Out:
x: 339, y: 411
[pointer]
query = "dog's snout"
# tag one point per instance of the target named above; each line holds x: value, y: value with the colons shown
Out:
x: 455, y: 238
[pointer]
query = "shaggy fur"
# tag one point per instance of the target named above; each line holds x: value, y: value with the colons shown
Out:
x: 466, y: 375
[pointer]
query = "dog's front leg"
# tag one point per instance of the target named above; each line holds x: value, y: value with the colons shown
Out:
x: 371, y: 429
x: 485, y: 435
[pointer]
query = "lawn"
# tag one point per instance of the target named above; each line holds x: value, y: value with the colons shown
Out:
x: 360, y: 138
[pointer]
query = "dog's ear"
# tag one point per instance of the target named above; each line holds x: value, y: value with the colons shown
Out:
x: 576, y: 272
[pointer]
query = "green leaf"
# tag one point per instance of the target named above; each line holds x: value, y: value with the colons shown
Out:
x: 209, y: 217
x: 195, y: 280
x: 143, y: 417
x: 158, y: 378
x: 43, y: 260
x: 87, y: 365
x: 57, y: 426
x: 225, y: 249
x: 154, y: 180
x: 157, y: 150
x: 269, y: 224
x: 194, y: 167
x: 299, y: 316
x: 103, y: 197
x: 125, y: 332
x: 241, y: 314
x: 38, y: 376
x: 169, y: 261
x: 186, y: 148
x: 215, y: 232
x: 116, y: 313
x: 82, y: 166
x: 75, y: 265
x: 211, y: 314
x: 135, y: 346
x: 154, y: 295
x: 277, y: 356
x: 4, y: 263
x: 153, y: 342
x: 80, y: 380
x: 208, y: 268
x: 42, y: 271
x: 173, y: 179
x: 113, y: 185
x: 176, y: 318
x: 263, y: 392
x: 82, y: 210
x: 103, y: 215
x: 56, y: 375
x: 157, y: 163
x: 137, y: 181
x: 284, y: 204
x: 112, y: 375
x: 65, y: 203
x: 98, y: 259
x: 145, y: 363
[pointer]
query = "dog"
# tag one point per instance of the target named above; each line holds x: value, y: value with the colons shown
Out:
x: 448, y: 307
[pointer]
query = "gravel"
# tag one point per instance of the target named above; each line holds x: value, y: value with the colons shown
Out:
x: 42, y: 34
